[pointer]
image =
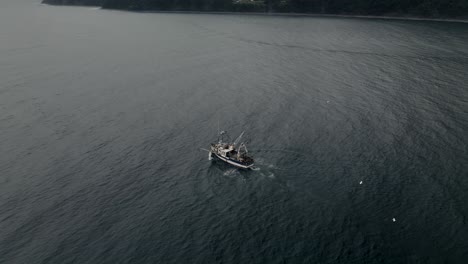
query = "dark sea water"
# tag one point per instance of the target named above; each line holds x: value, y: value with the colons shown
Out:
x: 102, y: 114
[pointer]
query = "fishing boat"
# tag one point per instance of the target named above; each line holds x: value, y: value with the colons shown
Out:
x: 234, y: 153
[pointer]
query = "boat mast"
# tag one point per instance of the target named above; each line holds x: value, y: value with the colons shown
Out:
x: 242, y: 145
x: 238, y: 139
x: 220, y: 135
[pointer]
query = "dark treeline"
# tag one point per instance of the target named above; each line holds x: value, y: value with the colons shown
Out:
x: 425, y: 8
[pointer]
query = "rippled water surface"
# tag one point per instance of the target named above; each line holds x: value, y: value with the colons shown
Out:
x: 102, y: 114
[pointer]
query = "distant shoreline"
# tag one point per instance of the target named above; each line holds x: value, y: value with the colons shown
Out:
x: 410, y: 18
x: 402, y: 18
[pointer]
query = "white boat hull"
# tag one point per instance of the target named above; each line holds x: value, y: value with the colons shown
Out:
x: 227, y: 160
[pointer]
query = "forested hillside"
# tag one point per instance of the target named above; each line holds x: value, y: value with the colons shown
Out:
x: 424, y: 8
